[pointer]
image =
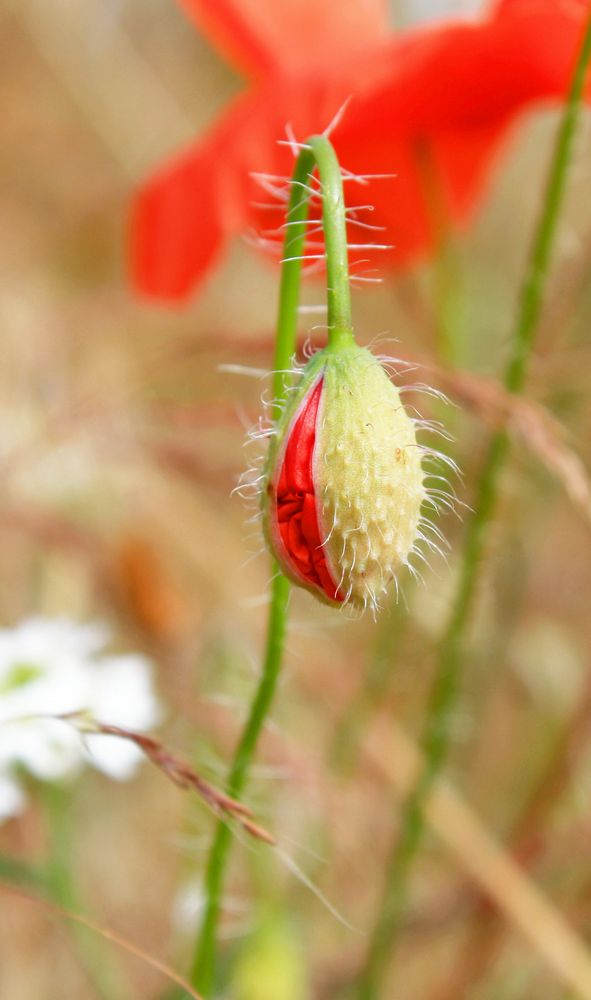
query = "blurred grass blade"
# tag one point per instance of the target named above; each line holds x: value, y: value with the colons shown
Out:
x: 444, y: 692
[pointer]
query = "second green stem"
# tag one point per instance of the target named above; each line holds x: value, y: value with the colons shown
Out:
x: 442, y: 703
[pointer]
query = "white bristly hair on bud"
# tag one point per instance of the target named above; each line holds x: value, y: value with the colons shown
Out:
x: 280, y: 186
x: 437, y: 494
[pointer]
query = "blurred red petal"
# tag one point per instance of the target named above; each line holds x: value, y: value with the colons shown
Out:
x: 452, y: 94
x: 465, y: 160
x: 184, y: 214
x: 470, y: 74
x: 436, y: 185
x: 289, y: 35
x: 568, y: 7
x: 176, y: 238
x: 453, y: 90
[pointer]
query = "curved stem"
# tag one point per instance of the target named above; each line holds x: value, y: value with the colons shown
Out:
x: 442, y: 703
x: 338, y: 293
x: 203, y: 971
x: 317, y: 153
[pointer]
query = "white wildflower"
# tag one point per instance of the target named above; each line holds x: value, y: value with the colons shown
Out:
x: 50, y: 667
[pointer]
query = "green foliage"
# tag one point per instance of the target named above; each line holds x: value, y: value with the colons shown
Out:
x: 271, y: 964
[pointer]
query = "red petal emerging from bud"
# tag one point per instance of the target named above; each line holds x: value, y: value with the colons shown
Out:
x: 293, y: 506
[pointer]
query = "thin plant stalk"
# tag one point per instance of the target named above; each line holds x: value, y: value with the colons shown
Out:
x: 441, y: 708
x: 316, y: 153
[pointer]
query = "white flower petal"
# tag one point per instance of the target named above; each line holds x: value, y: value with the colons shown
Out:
x: 12, y: 797
x: 47, y: 748
x: 123, y: 694
x: 114, y: 756
x: 51, y: 667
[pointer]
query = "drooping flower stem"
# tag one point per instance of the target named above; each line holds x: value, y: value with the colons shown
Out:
x: 317, y: 153
x: 438, y: 726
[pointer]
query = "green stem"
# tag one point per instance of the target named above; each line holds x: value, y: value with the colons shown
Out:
x: 317, y: 153
x: 203, y: 971
x: 442, y: 703
x: 22, y: 874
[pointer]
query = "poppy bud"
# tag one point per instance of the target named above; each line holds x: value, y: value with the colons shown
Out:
x: 343, y: 484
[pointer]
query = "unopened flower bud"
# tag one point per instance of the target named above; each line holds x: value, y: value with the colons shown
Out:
x: 344, y: 484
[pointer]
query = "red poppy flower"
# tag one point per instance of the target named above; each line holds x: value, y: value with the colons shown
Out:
x: 429, y: 105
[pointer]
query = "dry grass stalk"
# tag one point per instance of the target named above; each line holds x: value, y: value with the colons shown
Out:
x: 108, y: 935
x: 179, y: 772
x: 486, y: 933
x: 486, y: 862
x: 529, y: 421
